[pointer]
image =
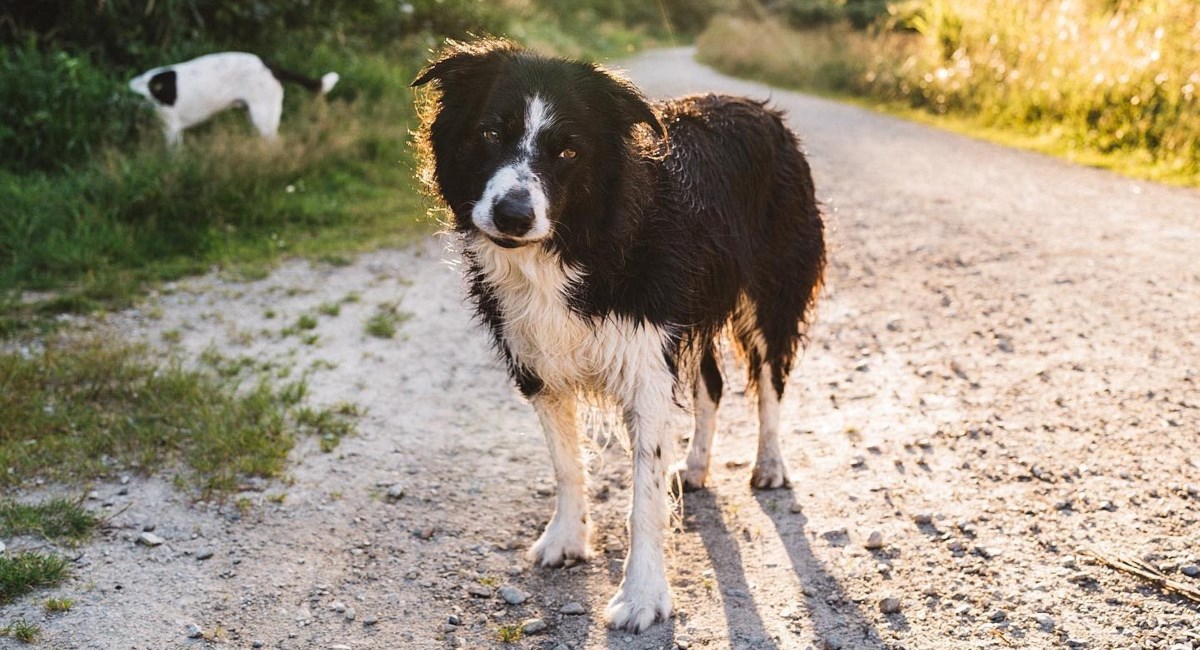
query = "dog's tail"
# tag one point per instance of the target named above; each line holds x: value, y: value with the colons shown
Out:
x: 320, y: 86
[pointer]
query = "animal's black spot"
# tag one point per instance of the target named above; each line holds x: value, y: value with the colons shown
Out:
x: 162, y: 87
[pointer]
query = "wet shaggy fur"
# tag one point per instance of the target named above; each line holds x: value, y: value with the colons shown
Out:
x: 608, y: 242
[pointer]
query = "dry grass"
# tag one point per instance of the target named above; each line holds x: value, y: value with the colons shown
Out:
x: 1109, y: 82
x: 1151, y: 574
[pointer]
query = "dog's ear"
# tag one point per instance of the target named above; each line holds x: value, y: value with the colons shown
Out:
x: 631, y: 104
x: 461, y: 60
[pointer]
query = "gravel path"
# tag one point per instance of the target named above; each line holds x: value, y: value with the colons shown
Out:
x: 1005, y: 371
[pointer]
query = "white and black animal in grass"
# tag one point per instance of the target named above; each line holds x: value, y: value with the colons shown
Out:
x: 186, y: 94
x: 607, y: 243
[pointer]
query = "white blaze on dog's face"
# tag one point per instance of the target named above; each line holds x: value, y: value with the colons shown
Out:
x: 514, y: 208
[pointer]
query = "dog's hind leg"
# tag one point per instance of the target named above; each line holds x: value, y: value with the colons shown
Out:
x: 693, y: 472
x: 769, y: 338
x: 769, y: 471
x: 567, y: 537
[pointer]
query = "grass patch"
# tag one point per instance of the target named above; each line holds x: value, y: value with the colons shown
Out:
x: 54, y: 519
x: 1105, y: 84
x: 330, y: 425
x: 57, y: 605
x: 21, y: 630
x: 21, y: 573
x: 77, y: 410
x: 383, y: 323
x: 509, y: 633
x: 331, y: 309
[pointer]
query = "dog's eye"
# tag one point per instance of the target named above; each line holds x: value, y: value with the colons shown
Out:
x: 491, y: 135
x: 567, y: 153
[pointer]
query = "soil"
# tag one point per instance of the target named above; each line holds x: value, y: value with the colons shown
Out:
x: 1004, y: 374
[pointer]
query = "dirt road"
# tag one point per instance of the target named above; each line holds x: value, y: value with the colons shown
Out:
x: 1005, y: 371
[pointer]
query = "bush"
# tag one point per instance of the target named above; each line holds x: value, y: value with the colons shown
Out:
x: 57, y: 109
x: 813, y: 13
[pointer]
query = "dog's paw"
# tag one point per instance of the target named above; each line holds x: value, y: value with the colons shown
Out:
x: 639, y: 604
x: 769, y: 474
x: 561, y: 544
x: 686, y: 479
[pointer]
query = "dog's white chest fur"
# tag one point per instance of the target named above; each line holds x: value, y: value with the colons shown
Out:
x: 565, y: 350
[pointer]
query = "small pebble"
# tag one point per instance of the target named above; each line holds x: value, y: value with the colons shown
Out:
x: 874, y: 541
x: 986, y: 552
x: 370, y: 620
x: 204, y: 554
x: 479, y: 591
x: 150, y: 539
x: 512, y: 595
x: 257, y: 644
x: 395, y: 492
x: 573, y: 608
x: 532, y: 626
x: 338, y: 606
x: 350, y: 614
x: 997, y: 616
x: 889, y: 605
x: 1044, y: 621
x: 796, y: 509
x: 194, y: 631
x: 1189, y: 570
x: 923, y: 518
x: 453, y: 619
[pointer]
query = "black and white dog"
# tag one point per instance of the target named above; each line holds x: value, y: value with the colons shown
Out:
x: 608, y: 242
x: 186, y: 94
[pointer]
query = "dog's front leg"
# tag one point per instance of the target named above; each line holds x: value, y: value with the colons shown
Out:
x: 644, y: 596
x: 567, y: 536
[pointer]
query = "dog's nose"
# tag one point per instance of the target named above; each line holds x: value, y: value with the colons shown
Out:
x: 513, y: 214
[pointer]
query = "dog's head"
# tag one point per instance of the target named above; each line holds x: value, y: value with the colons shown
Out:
x: 157, y: 84
x: 520, y: 141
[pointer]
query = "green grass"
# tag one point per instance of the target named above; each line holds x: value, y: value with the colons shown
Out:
x: 509, y: 633
x: 56, y: 605
x: 1105, y: 84
x: 73, y: 411
x: 21, y: 630
x: 56, y: 519
x: 383, y: 323
x: 21, y: 573
x: 329, y: 425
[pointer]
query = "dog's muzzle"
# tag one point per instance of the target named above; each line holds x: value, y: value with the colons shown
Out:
x: 513, y: 213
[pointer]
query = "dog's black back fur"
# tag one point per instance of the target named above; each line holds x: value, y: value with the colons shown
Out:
x: 706, y: 215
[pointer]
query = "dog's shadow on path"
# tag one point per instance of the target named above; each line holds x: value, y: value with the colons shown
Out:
x: 832, y: 618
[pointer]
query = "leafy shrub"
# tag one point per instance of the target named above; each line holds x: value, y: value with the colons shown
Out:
x: 813, y: 13
x: 57, y: 109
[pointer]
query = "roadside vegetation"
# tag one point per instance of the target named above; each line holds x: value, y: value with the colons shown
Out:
x: 87, y: 409
x: 1111, y: 83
